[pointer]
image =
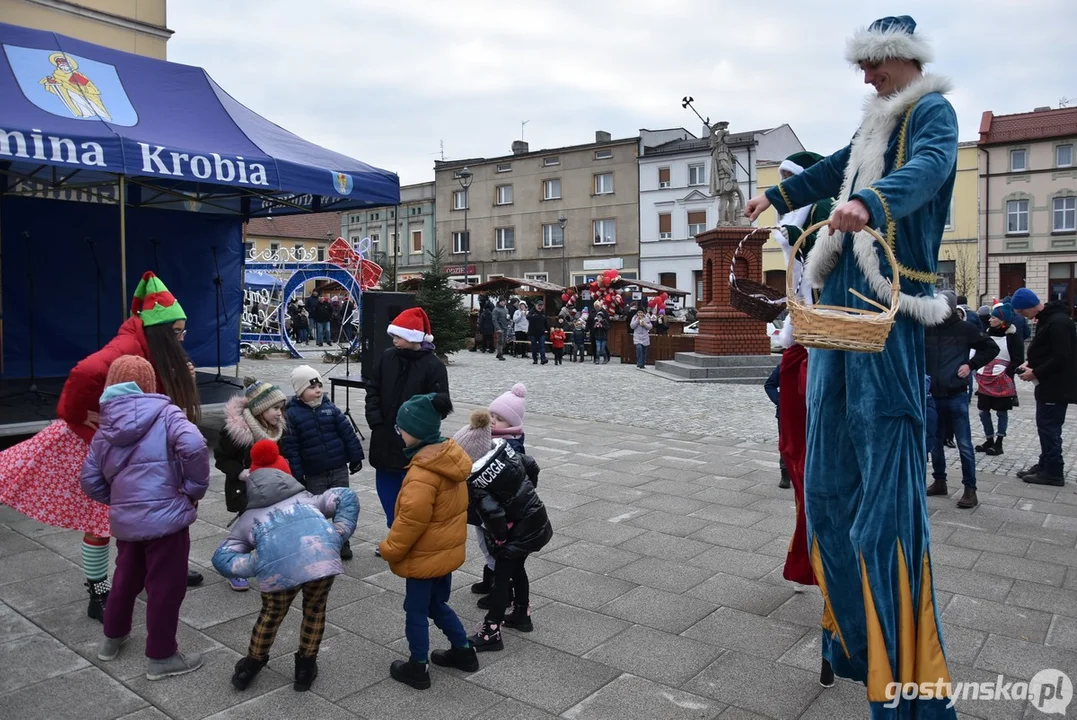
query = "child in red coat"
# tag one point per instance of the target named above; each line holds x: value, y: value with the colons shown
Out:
x: 557, y: 339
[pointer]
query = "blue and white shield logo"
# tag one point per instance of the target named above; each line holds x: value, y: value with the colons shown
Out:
x: 71, y: 86
x: 342, y: 182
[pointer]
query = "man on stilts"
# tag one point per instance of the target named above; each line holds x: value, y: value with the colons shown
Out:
x: 867, y: 523
x: 793, y: 381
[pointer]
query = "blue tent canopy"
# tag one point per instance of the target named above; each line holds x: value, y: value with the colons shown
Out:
x: 74, y: 116
x: 259, y: 279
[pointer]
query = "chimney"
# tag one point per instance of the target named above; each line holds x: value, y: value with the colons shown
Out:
x: 1042, y: 108
x: 601, y: 136
x: 519, y: 147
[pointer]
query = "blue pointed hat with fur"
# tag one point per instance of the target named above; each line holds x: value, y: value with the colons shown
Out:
x: 888, y: 38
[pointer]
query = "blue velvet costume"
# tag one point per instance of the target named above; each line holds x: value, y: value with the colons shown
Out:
x: 868, y: 532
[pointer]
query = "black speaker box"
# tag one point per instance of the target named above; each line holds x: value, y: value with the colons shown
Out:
x: 379, y: 310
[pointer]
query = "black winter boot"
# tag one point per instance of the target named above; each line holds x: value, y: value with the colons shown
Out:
x: 519, y: 619
x: 826, y: 675
x: 996, y: 449
x: 487, y: 638
x: 487, y: 584
x: 411, y: 673
x: 247, y: 668
x: 98, y: 597
x: 986, y: 446
x: 306, y: 670
x: 457, y: 657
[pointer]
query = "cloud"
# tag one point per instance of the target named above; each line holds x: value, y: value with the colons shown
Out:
x: 388, y: 82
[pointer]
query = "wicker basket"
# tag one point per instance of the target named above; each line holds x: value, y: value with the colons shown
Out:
x: 832, y: 327
x: 755, y: 300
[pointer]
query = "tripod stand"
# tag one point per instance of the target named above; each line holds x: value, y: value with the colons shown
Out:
x: 32, y: 390
x: 218, y: 300
x: 346, y: 349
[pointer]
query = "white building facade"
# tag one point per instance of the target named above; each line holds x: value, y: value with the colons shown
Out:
x: 675, y: 200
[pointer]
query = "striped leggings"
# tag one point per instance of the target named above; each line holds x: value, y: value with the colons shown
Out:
x: 275, y: 606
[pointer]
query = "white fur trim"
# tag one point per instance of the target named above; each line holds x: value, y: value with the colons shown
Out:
x: 867, y: 162
x: 790, y: 167
x: 875, y: 46
x: 415, y: 336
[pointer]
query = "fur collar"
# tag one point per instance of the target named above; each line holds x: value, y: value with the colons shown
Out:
x: 867, y: 164
x: 244, y: 428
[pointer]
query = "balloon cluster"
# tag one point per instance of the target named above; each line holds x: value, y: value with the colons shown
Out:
x: 606, y: 297
x: 657, y: 304
x: 569, y: 297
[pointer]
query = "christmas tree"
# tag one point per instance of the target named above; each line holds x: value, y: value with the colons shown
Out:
x: 448, y: 318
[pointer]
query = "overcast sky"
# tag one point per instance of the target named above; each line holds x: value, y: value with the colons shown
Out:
x: 388, y: 82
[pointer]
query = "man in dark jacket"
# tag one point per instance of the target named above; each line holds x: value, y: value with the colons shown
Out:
x: 949, y: 367
x: 538, y: 325
x: 321, y: 318
x: 502, y: 327
x: 1050, y: 366
x: 407, y: 369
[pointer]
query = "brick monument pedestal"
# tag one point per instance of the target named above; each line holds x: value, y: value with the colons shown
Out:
x: 724, y: 330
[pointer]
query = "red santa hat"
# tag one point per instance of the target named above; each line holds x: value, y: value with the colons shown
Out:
x: 412, y: 325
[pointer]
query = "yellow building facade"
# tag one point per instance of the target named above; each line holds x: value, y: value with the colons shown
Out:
x: 958, y: 256
x: 134, y: 26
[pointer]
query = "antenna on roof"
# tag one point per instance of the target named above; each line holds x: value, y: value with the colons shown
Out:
x: 522, y: 124
x: 1064, y: 102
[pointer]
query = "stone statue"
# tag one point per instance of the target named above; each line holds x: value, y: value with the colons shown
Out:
x: 724, y: 183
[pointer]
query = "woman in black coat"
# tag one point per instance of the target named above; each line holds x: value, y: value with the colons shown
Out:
x: 486, y: 328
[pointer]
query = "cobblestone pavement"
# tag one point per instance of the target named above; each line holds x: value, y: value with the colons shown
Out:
x: 660, y: 595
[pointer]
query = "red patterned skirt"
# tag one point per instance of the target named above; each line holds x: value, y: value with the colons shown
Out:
x: 40, y: 479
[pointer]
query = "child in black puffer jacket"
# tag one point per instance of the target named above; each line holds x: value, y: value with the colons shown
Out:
x: 320, y: 445
x: 502, y: 495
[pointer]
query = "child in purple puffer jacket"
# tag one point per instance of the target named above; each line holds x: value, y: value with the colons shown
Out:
x: 150, y: 465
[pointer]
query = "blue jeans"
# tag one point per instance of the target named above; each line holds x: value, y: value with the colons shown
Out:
x: 322, y: 329
x: 429, y: 598
x: 600, y: 348
x: 538, y: 347
x: 989, y: 427
x: 641, y: 355
x: 954, y: 414
x: 387, y: 483
x: 1049, y: 420
x: 304, y: 335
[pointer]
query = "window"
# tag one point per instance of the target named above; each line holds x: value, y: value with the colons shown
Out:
x: 605, y: 232
x: 374, y: 243
x: 1016, y: 216
x: 505, y: 238
x: 665, y: 226
x: 321, y: 253
x: 1061, y: 284
x: 248, y: 248
x: 551, y: 189
x: 459, y: 199
x: 950, y: 216
x: 460, y: 243
x: 604, y: 184
x: 697, y: 283
x: 297, y: 250
x: 504, y: 194
x: 668, y: 279
x: 551, y: 161
x: 1018, y: 160
x: 1064, y: 156
x: 504, y: 167
x: 663, y: 177
x: 603, y: 154
x: 416, y: 242
x: 545, y: 277
x: 697, y: 174
x: 274, y: 248
x: 553, y: 236
x: 374, y: 216
x: 946, y: 275
x: 697, y: 222
x: 1064, y: 215
x: 392, y: 214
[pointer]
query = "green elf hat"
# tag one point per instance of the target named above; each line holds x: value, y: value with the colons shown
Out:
x: 154, y: 303
x: 798, y: 162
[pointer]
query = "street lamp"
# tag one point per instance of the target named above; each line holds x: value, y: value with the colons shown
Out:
x: 465, y: 182
x: 562, y: 221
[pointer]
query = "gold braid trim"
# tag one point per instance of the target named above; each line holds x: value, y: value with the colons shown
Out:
x: 785, y: 198
x: 891, y: 226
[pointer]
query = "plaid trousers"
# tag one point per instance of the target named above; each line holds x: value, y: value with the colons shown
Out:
x: 275, y: 606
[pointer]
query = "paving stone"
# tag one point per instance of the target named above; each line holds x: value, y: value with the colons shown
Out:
x: 669, y: 523
x: 962, y: 644
x: 561, y: 500
x: 607, y: 533
x: 749, y: 595
x: 736, y: 630
x: 656, y: 655
x: 86, y: 694
x: 1050, y: 553
x: 30, y: 565
x: 678, y: 506
x: 777, y: 691
x: 572, y: 629
x: 995, y: 617
x: 379, y: 618
x: 734, y: 537
x: 666, y: 547
x: 662, y: 574
x: 976, y: 540
x: 972, y: 584
x: 722, y: 496
x: 33, y: 658
x: 1022, y: 659
x: 214, y: 604
x: 591, y: 556
x: 630, y: 696
x: 1066, y: 538
x: 13, y: 625
x: 969, y: 705
x: 580, y: 588
x: 546, y: 678
x: 614, y: 493
x: 806, y: 654
x: 659, y: 609
x: 804, y: 608
x: 736, y: 562
x: 1043, y: 597
x: 514, y: 710
x: 1021, y: 569
x: 131, y: 661
x: 730, y: 515
x: 12, y: 543
x: 347, y: 663
x: 286, y: 704
x: 1063, y: 633
x: 946, y: 555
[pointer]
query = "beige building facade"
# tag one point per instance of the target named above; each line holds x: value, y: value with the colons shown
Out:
x: 134, y: 26
x: 1028, y: 204
x: 514, y: 203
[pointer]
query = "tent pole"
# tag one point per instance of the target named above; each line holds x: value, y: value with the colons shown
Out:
x: 123, y: 248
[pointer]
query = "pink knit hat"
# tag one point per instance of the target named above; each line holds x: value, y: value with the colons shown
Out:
x: 510, y: 405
